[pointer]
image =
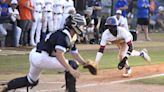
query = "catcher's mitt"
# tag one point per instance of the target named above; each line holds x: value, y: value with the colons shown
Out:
x: 91, y: 66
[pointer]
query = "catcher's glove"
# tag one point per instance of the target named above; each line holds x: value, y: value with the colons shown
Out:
x: 91, y: 66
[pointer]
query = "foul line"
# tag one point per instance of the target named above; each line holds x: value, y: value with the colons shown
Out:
x: 91, y: 84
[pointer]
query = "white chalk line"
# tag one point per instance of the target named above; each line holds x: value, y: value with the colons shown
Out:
x: 92, y: 84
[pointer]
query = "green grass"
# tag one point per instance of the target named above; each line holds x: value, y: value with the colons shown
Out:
x: 20, y: 64
x: 154, y: 81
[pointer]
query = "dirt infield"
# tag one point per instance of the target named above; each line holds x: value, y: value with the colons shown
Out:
x: 105, y: 81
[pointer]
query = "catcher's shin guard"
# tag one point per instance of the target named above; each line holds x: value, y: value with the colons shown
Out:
x: 70, y: 80
x: 19, y: 83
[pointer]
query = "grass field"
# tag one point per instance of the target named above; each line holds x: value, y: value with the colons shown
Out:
x: 13, y: 64
x: 20, y: 64
x: 154, y: 81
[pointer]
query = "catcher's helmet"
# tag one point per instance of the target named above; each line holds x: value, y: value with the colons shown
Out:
x: 76, y: 21
x: 110, y: 21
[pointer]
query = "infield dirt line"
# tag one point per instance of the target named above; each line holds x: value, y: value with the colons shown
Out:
x: 93, y: 84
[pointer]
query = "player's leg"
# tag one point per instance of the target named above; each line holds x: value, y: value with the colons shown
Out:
x: 55, y: 22
x: 44, y: 29
x: 31, y: 79
x: 143, y: 53
x: 122, y: 52
x: 53, y: 63
x: 70, y: 80
x: 33, y: 31
x: 50, y: 23
x: 38, y: 30
x: 18, y: 34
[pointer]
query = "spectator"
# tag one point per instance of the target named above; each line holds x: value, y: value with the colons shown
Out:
x: 96, y: 6
x: 8, y: 26
x: 68, y: 9
x: 14, y: 16
x: 160, y: 17
x: 143, y: 17
x: 121, y: 21
x: 38, y: 6
x: 121, y: 5
x: 3, y: 10
x: 90, y: 32
x: 26, y: 18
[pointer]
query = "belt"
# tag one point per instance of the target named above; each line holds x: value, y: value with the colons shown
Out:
x: 39, y: 51
x: 38, y: 11
x: 48, y: 11
x: 57, y: 13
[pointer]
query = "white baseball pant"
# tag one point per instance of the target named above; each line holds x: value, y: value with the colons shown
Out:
x: 36, y: 28
x: 58, y: 21
x: 40, y: 61
x: 48, y: 21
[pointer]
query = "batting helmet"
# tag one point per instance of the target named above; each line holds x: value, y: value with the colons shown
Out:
x: 110, y: 21
x: 75, y: 22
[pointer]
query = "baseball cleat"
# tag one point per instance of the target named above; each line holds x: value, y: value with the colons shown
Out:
x: 146, y: 57
x: 127, y: 73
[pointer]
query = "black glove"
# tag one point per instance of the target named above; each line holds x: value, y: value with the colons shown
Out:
x: 122, y: 63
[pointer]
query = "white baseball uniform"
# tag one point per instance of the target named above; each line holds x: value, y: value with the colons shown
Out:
x: 14, y: 13
x: 121, y: 40
x: 122, y: 21
x: 68, y: 5
x: 58, y: 14
x: 43, y: 60
x: 48, y: 16
x: 37, y: 24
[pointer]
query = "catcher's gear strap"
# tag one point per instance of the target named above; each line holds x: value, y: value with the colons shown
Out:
x: 19, y: 83
x: 130, y: 49
x: 101, y: 49
x: 98, y: 57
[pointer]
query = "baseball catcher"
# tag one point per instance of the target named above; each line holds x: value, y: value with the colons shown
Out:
x: 49, y: 54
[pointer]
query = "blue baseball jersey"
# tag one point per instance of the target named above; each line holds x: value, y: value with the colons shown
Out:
x: 142, y: 8
x: 121, y: 3
x: 4, y: 9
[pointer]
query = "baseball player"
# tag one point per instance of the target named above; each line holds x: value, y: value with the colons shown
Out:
x: 37, y: 24
x: 68, y: 9
x: 48, y: 17
x: 49, y: 54
x: 58, y: 13
x: 121, y: 21
x: 123, y: 39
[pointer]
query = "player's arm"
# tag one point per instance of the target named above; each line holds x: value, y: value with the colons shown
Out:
x: 128, y: 40
x: 60, y: 57
x: 76, y: 55
x: 103, y: 43
x: 27, y: 5
x: 79, y: 58
x: 130, y: 49
x: 99, y: 54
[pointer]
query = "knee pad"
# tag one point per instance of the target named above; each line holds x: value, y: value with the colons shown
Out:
x: 20, y: 83
x: 69, y: 79
x: 73, y: 64
x: 70, y: 82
